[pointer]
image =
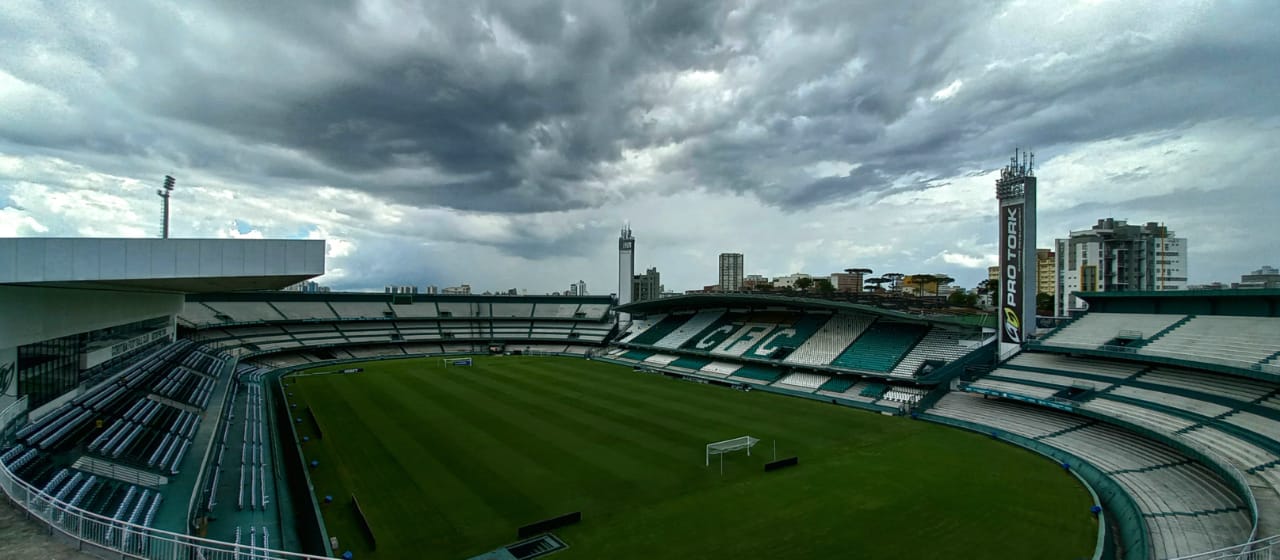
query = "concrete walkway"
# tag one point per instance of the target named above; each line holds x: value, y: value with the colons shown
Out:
x: 22, y: 537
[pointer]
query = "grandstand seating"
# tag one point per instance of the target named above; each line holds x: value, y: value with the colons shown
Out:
x: 828, y: 342
x: 684, y: 332
x: 1187, y: 508
x: 422, y: 309
x: 756, y: 374
x: 940, y: 344
x: 1095, y: 329
x: 838, y: 384
x: 246, y: 311
x: 1240, y: 341
x: 657, y: 331
x: 881, y: 347
x: 807, y: 382
x: 720, y: 369
x: 690, y: 362
x: 592, y: 311
x: 199, y: 314
x: 302, y: 310
x: 660, y: 359
x: 361, y: 309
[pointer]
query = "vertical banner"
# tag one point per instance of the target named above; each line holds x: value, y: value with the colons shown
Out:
x: 1012, y: 271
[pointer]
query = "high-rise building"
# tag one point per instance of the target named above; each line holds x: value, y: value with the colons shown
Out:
x: 626, y: 269
x: 1114, y: 256
x: 730, y: 272
x: 647, y: 286
x: 306, y: 287
x: 1046, y: 272
x: 431, y: 289
x: 401, y: 289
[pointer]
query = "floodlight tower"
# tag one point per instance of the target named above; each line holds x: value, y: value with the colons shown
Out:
x: 1016, y: 192
x: 164, y: 203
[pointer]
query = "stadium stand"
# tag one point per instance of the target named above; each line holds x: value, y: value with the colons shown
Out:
x: 659, y: 330
x: 939, y: 345
x: 720, y: 369
x: 1243, y: 341
x: 756, y: 374
x: 304, y: 310
x: 519, y: 310
x: 555, y: 310
x: 1186, y: 508
x: 693, y: 326
x: 419, y: 310
x: 1096, y: 329
x: 361, y: 309
x: 246, y: 311
x: 199, y: 314
x: 806, y: 382
x: 829, y: 341
x: 881, y: 346
x: 592, y: 311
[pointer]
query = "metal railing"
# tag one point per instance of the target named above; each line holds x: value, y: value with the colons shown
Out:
x: 1261, y: 549
x: 99, y: 534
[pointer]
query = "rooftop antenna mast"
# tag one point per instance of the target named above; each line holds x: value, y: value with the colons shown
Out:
x: 164, y: 201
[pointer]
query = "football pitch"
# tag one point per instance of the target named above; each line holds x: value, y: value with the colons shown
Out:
x: 447, y: 462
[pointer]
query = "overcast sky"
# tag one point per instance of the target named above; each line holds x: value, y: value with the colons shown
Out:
x: 504, y: 144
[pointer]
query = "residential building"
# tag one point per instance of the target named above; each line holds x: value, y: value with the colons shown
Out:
x: 462, y: 290
x: 401, y: 289
x: 1265, y: 277
x: 646, y: 286
x: 789, y: 281
x: 730, y: 272
x: 431, y: 289
x: 1046, y: 272
x: 1115, y: 256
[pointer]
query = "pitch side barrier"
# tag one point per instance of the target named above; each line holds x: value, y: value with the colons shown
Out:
x: 1115, y: 501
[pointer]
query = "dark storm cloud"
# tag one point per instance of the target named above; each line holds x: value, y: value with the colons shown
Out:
x: 516, y: 107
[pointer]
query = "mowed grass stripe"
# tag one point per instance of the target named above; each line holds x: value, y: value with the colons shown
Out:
x: 378, y: 474
x: 590, y: 437
x: 520, y: 428
x: 644, y: 397
x: 447, y: 433
x: 391, y: 429
x: 695, y: 403
x: 648, y: 433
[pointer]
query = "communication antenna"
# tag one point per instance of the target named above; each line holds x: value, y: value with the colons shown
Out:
x: 164, y: 193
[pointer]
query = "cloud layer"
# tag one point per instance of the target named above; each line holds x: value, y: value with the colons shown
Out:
x: 504, y: 143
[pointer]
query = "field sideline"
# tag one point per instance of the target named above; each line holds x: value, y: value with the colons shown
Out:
x: 448, y: 462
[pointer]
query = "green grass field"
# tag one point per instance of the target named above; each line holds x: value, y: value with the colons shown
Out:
x: 448, y: 462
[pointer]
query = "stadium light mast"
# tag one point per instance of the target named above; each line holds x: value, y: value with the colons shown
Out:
x: 1016, y: 193
x: 164, y: 193
x: 626, y: 270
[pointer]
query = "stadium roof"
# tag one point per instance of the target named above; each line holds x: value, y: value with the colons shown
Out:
x: 797, y: 303
x: 159, y: 265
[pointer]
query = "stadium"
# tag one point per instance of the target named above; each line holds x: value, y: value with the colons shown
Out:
x: 160, y: 400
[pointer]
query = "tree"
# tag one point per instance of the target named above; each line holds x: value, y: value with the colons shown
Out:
x: 940, y: 281
x: 893, y: 278
x: 824, y: 287
x: 988, y: 287
x: 764, y: 287
x: 922, y: 280
x: 961, y: 298
x: 803, y: 284
x: 1044, y: 304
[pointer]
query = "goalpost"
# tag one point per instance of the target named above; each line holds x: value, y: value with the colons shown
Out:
x: 456, y: 361
x: 728, y: 445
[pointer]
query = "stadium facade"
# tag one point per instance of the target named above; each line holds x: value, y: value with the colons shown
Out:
x: 1165, y: 404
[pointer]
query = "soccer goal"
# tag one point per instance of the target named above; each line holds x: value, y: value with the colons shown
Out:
x: 456, y: 361
x: 735, y: 444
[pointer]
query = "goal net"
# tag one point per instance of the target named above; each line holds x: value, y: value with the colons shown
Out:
x: 728, y: 445
x: 457, y: 361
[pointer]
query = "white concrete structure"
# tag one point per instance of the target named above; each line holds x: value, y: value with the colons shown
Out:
x: 626, y: 270
x: 101, y: 296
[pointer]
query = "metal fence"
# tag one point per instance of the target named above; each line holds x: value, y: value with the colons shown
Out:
x: 1261, y: 549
